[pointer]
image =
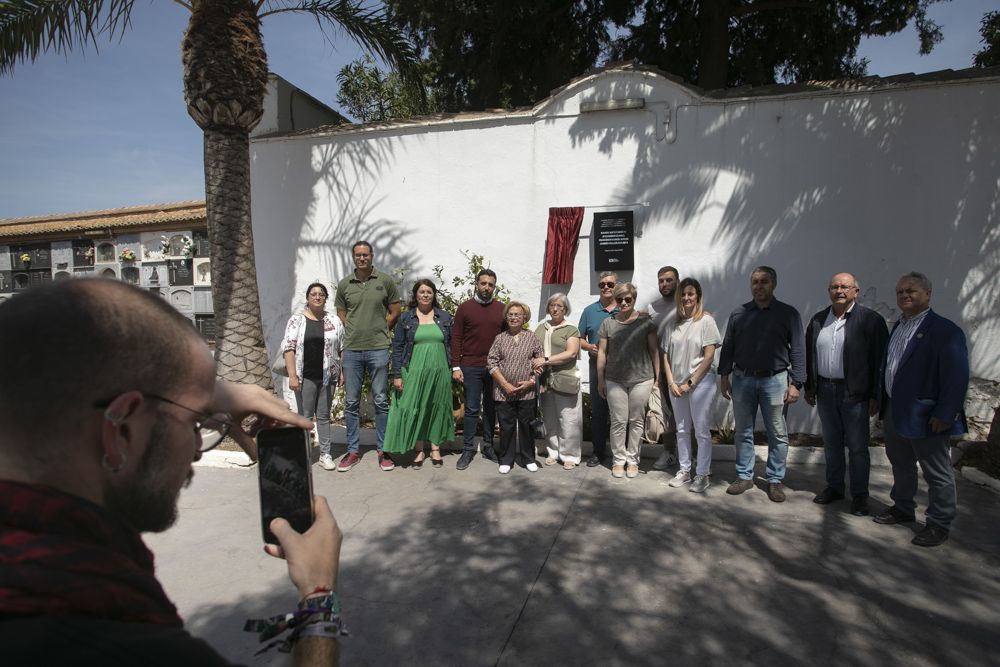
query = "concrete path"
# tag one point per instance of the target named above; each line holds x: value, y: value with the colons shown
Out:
x: 442, y: 567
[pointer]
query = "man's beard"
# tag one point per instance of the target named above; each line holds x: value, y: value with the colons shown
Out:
x: 148, y: 500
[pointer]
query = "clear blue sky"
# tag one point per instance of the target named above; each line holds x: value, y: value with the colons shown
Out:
x: 108, y: 129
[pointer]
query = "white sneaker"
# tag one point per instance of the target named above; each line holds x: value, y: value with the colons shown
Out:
x: 532, y: 467
x: 327, y: 462
x: 505, y: 469
x: 666, y: 460
x: 680, y: 479
x: 700, y: 484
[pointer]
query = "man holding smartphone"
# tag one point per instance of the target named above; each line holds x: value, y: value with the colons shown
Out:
x: 96, y: 442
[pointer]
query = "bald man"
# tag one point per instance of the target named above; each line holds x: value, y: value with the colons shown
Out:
x: 845, y: 343
x: 109, y: 396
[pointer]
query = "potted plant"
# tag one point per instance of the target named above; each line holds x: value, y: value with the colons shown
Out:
x: 127, y: 255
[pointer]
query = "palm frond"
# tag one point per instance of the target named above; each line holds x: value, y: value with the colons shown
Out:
x: 367, y: 25
x: 29, y: 28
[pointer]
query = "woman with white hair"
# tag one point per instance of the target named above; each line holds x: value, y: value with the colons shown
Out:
x: 560, y: 384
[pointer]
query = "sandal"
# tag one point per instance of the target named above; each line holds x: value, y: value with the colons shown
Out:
x: 551, y: 462
x: 568, y: 466
x: 416, y: 465
x: 437, y: 462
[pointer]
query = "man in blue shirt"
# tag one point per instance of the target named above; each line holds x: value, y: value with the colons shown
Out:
x: 590, y: 324
x: 764, y: 352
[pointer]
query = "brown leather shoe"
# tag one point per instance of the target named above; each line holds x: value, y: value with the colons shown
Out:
x: 893, y: 515
x: 739, y: 486
x: 775, y: 492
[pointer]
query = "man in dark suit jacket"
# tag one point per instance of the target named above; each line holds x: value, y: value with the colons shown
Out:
x: 845, y: 344
x: 924, y: 379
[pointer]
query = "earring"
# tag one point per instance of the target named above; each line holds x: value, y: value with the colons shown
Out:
x: 111, y: 418
x: 106, y: 463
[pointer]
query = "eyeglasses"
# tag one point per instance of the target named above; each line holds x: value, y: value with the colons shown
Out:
x: 837, y: 288
x: 515, y: 316
x: 624, y: 299
x: 210, y: 429
x: 606, y: 285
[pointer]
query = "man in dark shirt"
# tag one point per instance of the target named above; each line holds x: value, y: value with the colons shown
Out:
x: 763, y: 351
x: 91, y: 459
x: 477, y: 323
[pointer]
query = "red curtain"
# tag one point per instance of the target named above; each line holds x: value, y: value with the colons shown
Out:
x: 561, y: 244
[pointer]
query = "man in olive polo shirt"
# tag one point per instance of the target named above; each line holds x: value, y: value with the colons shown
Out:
x: 368, y: 304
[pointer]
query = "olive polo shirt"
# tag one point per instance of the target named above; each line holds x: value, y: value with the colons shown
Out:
x: 367, y: 304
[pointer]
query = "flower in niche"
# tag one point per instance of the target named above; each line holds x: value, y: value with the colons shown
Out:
x: 127, y: 255
x: 25, y: 258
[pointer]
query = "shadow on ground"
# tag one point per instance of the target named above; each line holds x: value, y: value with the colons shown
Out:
x: 442, y: 567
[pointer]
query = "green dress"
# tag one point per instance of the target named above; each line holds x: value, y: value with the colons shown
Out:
x: 423, y: 410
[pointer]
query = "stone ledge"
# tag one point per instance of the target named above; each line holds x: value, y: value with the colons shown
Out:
x: 977, y: 476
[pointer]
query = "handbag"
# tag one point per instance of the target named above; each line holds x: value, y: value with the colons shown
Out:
x: 278, y: 366
x: 538, y: 430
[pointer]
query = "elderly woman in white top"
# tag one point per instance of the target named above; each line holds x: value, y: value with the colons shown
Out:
x: 560, y: 384
x: 689, y: 360
x: 312, y: 343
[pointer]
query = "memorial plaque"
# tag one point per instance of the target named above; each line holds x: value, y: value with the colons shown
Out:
x: 203, y: 299
x: 201, y: 247
x: 206, y: 326
x: 5, y: 258
x: 86, y: 272
x: 153, y: 274
x: 130, y: 274
x: 180, y: 272
x: 181, y: 299
x: 6, y: 281
x: 39, y: 277
x: 83, y: 253
x: 203, y: 271
x: 62, y: 255
x: 614, y: 241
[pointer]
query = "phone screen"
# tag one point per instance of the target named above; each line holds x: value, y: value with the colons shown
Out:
x: 285, y: 479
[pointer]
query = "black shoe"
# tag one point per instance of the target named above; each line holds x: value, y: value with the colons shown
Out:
x: 488, y: 453
x: 827, y: 496
x: 892, y: 515
x: 775, y: 492
x: 931, y: 536
x: 465, y: 459
x: 859, y: 506
x: 594, y: 461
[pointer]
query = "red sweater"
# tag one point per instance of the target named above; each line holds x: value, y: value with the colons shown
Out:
x: 473, y: 332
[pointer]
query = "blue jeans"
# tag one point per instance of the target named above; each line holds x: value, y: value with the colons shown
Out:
x: 844, y: 425
x: 768, y: 394
x: 478, y: 386
x: 600, y: 421
x: 934, y: 455
x: 356, y: 363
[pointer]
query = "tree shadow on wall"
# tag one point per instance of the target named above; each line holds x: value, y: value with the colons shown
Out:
x: 762, y: 170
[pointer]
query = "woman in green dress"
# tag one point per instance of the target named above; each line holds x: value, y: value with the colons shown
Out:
x: 421, y: 369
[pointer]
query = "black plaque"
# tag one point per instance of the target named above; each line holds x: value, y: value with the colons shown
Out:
x: 6, y: 281
x: 614, y: 241
x: 83, y: 253
x: 180, y: 272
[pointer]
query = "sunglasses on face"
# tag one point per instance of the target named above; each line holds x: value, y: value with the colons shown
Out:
x: 605, y: 285
x: 624, y: 299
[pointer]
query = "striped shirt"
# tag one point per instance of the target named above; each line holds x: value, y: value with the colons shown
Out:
x: 898, y: 340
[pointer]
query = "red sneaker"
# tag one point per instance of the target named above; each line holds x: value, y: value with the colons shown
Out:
x: 385, y: 462
x: 348, y: 461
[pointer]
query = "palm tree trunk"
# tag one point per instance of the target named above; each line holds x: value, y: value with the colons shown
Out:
x: 240, y: 350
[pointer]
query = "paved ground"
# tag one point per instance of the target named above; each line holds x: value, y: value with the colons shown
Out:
x: 442, y: 567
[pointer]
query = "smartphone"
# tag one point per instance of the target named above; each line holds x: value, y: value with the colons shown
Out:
x: 285, y: 479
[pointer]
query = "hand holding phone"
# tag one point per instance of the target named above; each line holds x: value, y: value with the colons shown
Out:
x: 285, y: 479
x: 314, y: 556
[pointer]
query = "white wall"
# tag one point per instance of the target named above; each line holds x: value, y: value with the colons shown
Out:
x: 874, y: 182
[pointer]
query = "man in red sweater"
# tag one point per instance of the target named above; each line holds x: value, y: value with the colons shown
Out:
x: 477, y: 323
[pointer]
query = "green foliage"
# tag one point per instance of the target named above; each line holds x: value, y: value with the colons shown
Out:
x: 452, y: 293
x: 369, y: 95
x: 727, y: 430
x: 483, y: 54
x: 989, y: 30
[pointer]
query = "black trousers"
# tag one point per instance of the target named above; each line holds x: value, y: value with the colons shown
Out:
x: 516, y: 443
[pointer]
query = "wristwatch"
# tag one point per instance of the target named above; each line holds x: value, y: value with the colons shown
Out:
x: 797, y: 385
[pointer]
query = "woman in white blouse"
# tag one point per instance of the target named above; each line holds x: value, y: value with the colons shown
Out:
x: 689, y: 360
